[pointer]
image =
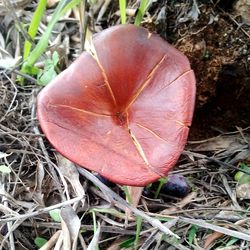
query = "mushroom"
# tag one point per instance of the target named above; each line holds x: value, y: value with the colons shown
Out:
x: 122, y: 109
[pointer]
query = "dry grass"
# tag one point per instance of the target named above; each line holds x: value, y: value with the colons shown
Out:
x: 210, y: 217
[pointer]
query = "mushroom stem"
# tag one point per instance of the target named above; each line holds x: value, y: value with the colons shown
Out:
x: 135, y: 195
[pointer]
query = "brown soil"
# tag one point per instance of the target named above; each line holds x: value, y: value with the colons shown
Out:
x: 218, y: 46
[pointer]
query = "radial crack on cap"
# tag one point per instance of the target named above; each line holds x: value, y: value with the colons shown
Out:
x: 78, y: 110
x: 93, y: 53
x: 142, y: 153
x: 145, y: 83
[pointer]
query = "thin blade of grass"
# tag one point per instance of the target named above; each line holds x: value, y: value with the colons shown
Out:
x: 97, y: 230
x: 162, y: 181
x: 128, y: 196
x: 138, y: 231
x: 111, y: 211
x: 144, y: 5
x: 42, y: 45
x: 94, y: 220
x: 36, y: 19
x: 122, y: 5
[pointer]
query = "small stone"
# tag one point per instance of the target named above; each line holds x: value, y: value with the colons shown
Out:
x: 243, y: 191
x: 242, y: 8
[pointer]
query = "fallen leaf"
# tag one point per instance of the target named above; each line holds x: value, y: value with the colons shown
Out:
x: 70, y: 172
x: 211, y: 238
x: 94, y: 242
x: 70, y: 227
x: 38, y: 190
x: 135, y: 195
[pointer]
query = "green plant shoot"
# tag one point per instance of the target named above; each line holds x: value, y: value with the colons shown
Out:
x: 49, y: 72
x: 36, y: 19
x: 241, y: 177
x: 55, y: 215
x: 39, y: 241
x: 138, y: 230
x: 42, y: 45
x: 128, y: 196
x: 192, y: 234
x: 162, y: 181
x: 144, y: 6
x: 122, y: 5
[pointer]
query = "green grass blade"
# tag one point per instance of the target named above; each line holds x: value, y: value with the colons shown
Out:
x: 232, y: 241
x: 127, y: 194
x: 39, y: 241
x: 138, y: 231
x: 192, y: 234
x: 111, y: 211
x: 122, y: 5
x: 94, y: 221
x: 127, y: 243
x: 36, y: 19
x: 61, y: 9
x: 144, y: 5
x: 96, y: 230
x: 162, y: 181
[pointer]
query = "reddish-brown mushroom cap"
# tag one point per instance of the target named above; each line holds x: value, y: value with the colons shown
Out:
x: 124, y: 109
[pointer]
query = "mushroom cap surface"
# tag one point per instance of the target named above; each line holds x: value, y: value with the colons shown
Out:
x: 124, y: 108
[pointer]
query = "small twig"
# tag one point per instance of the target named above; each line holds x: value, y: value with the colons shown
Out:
x: 17, y: 176
x: 8, y: 130
x: 230, y: 193
x: 12, y: 101
x: 212, y: 138
x: 242, y: 135
x: 104, y: 229
x: 19, y: 133
x: 216, y: 228
x: 9, y: 224
x: 83, y: 23
x: 221, y: 163
x: 224, y: 164
x: 30, y: 78
x: 42, y: 210
x: 11, y: 229
x: 82, y: 242
x: 200, y: 210
x: 103, y: 10
x: 239, y: 26
x: 214, y: 218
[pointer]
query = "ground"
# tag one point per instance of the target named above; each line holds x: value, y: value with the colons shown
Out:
x: 215, y: 36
